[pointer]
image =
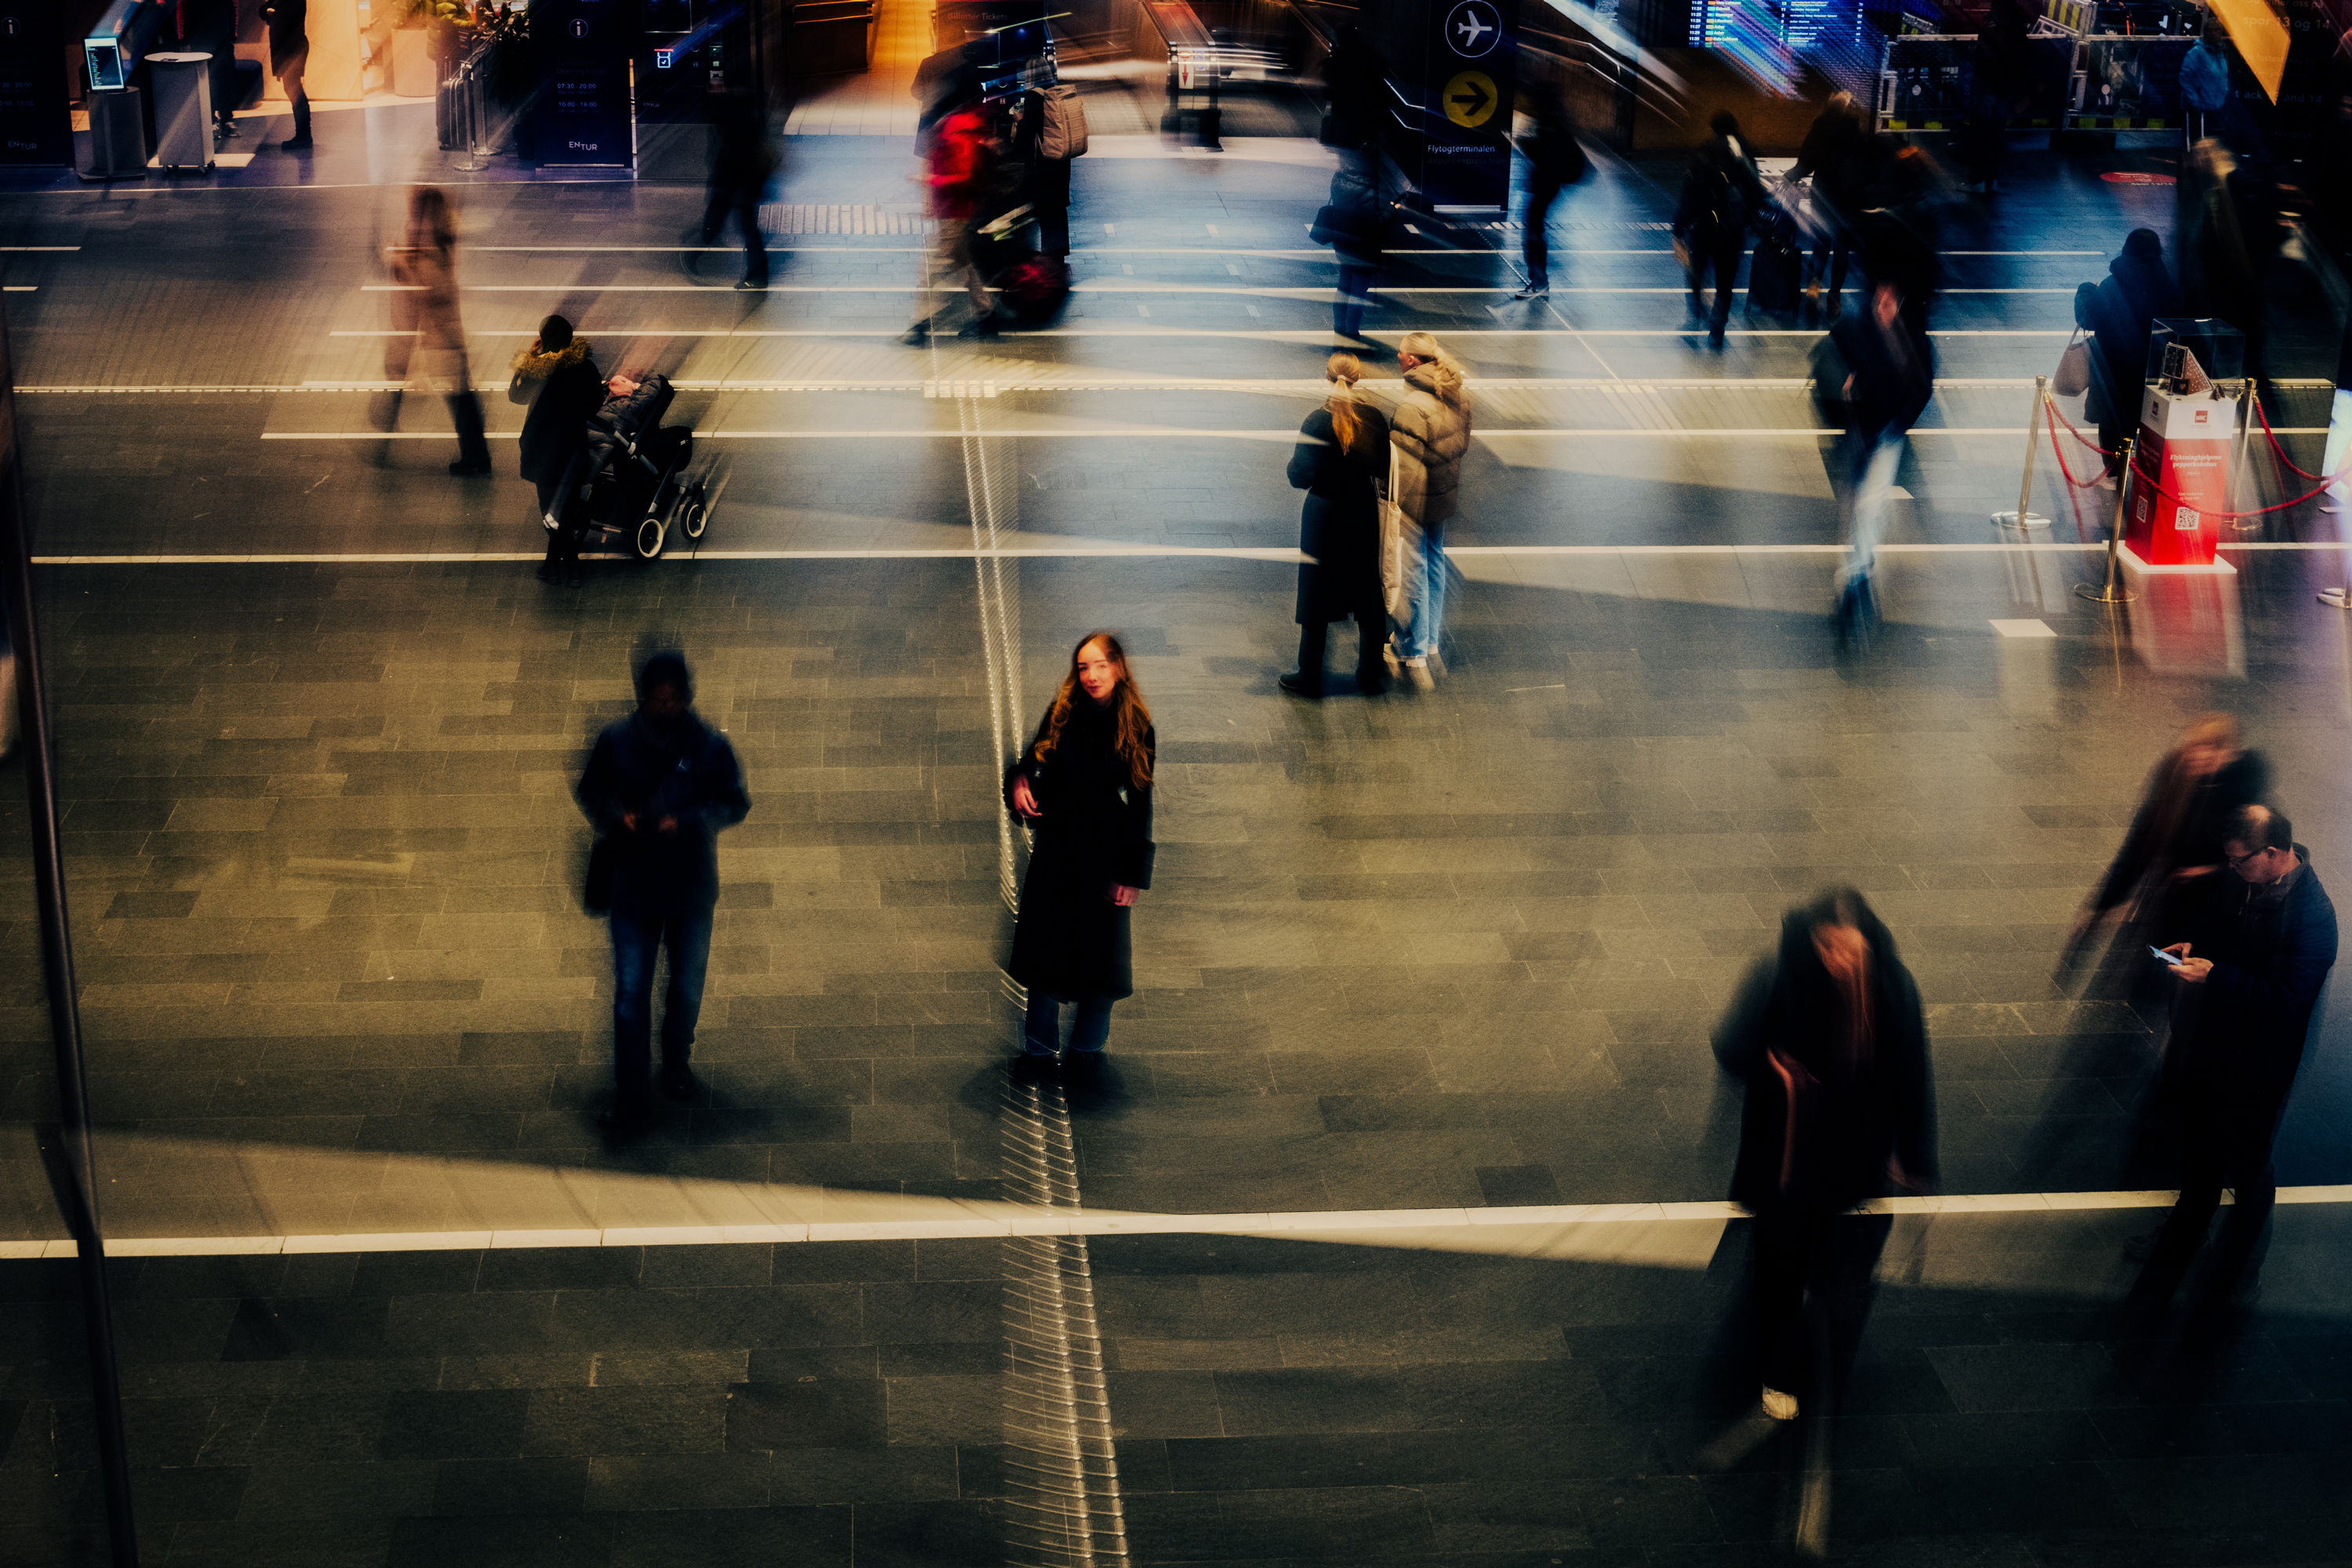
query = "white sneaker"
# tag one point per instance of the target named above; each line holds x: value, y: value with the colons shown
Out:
x: 1779, y: 1407
x: 1417, y: 671
x: 1437, y: 664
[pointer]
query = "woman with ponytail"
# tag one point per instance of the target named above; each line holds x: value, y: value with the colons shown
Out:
x: 1341, y: 460
x: 1084, y: 785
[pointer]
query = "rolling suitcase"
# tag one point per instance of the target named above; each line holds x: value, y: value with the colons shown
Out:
x: 1775, y: 277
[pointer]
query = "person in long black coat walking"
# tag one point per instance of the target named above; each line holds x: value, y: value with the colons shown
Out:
x: 1832, y: 1046
x: 743, y: 165
x: 1085, y: 783
x: 1341, y: 460
x: 558, y: 377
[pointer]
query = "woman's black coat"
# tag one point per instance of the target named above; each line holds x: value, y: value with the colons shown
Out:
x: 1071, y: 940
x: 1850, y: 1120
x: 556, y: 429
x: 1339, y: 529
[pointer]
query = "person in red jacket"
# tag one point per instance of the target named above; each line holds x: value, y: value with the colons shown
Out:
x: 956, y: 165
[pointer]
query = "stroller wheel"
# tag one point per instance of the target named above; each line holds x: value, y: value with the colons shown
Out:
x: 695, y: 516
x: 648, y: 538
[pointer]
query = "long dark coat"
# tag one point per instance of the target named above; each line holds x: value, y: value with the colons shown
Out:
x: 1339, y: 526
x: 1071, y: 942
x: 564, y: 390
x: 1850, y: 1116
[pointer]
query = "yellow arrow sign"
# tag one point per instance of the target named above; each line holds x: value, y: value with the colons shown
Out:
x: 1470, y: 100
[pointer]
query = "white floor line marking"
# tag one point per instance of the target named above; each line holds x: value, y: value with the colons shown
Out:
x: 1278, y: 552
x: 1131, y: 432
x: 1007, y: 1220
x: 1312, y: 335
x: 1008, y: 379
x: 1087, y: 286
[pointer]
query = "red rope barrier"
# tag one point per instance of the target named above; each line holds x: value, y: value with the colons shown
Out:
x: 2145, y: 478
x: 2060, y: 453
x: 2078, y: 436
x: 2283, y: 458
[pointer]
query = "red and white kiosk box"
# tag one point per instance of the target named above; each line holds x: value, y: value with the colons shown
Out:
x: 2184, y: 448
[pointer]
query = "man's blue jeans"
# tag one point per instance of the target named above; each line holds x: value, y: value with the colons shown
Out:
x: 1424, y: 585
x: 1355, y: 293
x: 638, y: 933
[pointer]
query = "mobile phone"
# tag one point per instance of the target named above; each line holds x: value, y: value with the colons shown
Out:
x: 2159, y: 954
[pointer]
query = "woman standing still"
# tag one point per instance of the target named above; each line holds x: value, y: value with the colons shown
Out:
x: 1430, y: 432
x: 426, y: 270
x: 1832, y: 1046
x: 557, y: 376
x: 1085, y: 783
x: 1340, y: 461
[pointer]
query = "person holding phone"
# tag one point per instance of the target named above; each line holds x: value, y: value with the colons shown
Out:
x: 2256, y: 957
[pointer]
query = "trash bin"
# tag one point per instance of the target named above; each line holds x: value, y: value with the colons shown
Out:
x: 184, y: 112
x: 118, y: 136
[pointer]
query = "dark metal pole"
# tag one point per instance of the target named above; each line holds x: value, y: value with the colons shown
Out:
x: 57, y: 955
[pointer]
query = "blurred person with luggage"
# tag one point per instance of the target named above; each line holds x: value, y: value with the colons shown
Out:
x: 1722, y: 197
x: 1354, y: 224
x: 431, y: 344
x: 960, y: 163
x: 1341, y: 461
x: 556, y: 376
x: 1831, y: 1042
x: 1873, y: 377
x: 1084, y: 785
x: 743, y: 165
x: 2172, y: 854
x: 1556, y: 160
x: 2120, y: 313
x: 1833, y: 157
x: 659, y: 787
x: 1051, y: 135
x: 289, y: 54
x: 1430, y: 433
x: 2254, y: 955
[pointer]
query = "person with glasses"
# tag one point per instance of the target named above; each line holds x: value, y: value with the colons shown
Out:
x: 2253, y: 964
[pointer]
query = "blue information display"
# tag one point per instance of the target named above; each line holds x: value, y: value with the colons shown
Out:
x: 35, y: 125
x: 585, y: 113
x: 1466, y: 104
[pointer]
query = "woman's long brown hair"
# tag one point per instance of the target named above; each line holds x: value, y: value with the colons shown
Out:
x: 1131, y: 720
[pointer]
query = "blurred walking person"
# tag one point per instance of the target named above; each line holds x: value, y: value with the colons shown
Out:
x: 659, y: 787
x: 1722, y: 197
x: 2205, y: 86
x: 1873, y: 377
x: 958, y: 165
x: 1555, y: 161
x: 1084, y: 785
x: 1353, y: 223
x: 289, y: 54
x: 1430, y: 433
x: 1833, y: 157
x: 2173, y: 850
x: 2256, y: 954
x: 743, y: 163
x: 426, y: 307
x: 2120, y: 313
x: 2226, y: 235
x: 1341, y: 461
x: 557, y: 377
x: 1831, y: 1041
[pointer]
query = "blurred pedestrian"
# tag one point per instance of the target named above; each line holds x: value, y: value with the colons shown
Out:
x: 659, y: 787
x: 742, y: 163
x: 959, y: 161
x: 1556, y: 160
x: 1354, y: 224
x: 425, y: 306
x: 1873, y: 377
x: 1357, y: 83
x: 1833, y: 157
x: 1084, y: 785
x: 2121, y: 313
x: 2227, y: 233
x: 2004, y: 68
x: 1430, y: 431
x: 1899, y: 232
x: 1722, y: 197
x: 1052, y: 135
x: 289, y: 52
x: 2257, y: 953
x: 2173, y: 850
x: 2205, y: 86
x: 1831, y: 1041
x: 1341, y: 461
x: 557, y: 376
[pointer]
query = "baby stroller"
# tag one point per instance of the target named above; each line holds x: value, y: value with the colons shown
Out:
x: 636, y: 483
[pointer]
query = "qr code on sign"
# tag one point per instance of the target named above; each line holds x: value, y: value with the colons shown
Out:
x: 2185, y: 519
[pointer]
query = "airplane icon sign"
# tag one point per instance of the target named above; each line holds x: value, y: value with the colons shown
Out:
x: 1473, y: 28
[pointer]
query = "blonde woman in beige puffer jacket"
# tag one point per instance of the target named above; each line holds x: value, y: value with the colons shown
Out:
x: 1429, y: 431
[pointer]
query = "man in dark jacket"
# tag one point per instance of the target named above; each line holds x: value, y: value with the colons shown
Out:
x: 1831, y: 157
x: 741, y: 164
x: 659, y: 787
x: 290, y: 51
x: 1722, y: 196
x: 2122, y: 313
x: 2256, y: 955
x: 1555, y: 160
x: 557, y: 377
x: 1873, y: 376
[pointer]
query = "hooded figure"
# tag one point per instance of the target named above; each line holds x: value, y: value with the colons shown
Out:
x: 2119, y: 314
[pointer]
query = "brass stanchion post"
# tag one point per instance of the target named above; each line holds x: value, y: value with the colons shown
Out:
x: 2112, y: 592
x: 2021, y: 519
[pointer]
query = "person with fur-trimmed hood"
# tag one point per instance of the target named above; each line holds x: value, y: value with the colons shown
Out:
x: 557, y: 377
